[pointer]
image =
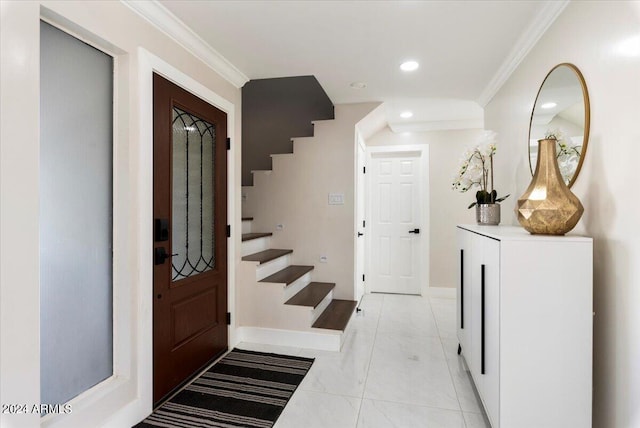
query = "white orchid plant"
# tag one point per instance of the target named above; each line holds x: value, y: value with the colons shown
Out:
x: 476, y: 170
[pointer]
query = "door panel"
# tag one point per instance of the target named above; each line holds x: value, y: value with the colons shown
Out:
x: 190, y: 244
x: 491, y: 381
x: 465, y: 286
x: 395, y: 211
x: 192, y: 316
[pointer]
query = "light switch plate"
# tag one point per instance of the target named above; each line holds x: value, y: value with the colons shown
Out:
x: 336, y: 198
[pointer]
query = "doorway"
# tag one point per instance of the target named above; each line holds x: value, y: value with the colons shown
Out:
x: 398, y: 245
x: 190, y: 235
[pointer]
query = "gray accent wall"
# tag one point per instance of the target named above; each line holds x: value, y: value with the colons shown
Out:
x: 273, y: 112
x: 76, y: 163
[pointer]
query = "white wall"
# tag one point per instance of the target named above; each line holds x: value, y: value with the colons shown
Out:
x: 116, y: 28
x: 446, y: 207
x: 295, y: 194
x: 590, y: 35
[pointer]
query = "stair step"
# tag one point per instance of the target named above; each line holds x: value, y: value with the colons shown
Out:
x: 247, y: 218
x: 288, y: 275
x: 312, y: 294
x: 337, y: 315
x: 250, y: 236
x: 266, y: 255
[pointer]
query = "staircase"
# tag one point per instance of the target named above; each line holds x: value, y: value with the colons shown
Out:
x: 283, y: 297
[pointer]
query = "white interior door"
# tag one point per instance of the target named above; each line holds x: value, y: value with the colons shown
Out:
x: 360, y: 222
x: 396, y: 230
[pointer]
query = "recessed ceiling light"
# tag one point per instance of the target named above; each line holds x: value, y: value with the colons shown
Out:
x: 406, y: 114
x: 409, y: 66
x: 358, y: 85
x: 548, y: 105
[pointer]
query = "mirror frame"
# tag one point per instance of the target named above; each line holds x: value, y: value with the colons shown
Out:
x: 587, y: 118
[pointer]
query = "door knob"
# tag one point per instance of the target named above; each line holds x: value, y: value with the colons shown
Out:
x: 416, y: 231
x: 360, y: 234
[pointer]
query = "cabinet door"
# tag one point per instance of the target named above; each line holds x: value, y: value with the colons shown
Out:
x: 463, y: 319
x: 481, y: 309
x: 474, y: 357
x: 490, y: 307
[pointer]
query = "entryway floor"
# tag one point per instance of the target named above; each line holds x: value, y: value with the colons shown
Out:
x: 398, y: 368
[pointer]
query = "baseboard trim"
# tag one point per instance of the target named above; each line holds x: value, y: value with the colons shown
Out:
x: 295, y: 339
x: 442, y: 292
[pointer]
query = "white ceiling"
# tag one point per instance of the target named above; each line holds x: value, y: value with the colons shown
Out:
x: 464, y: 47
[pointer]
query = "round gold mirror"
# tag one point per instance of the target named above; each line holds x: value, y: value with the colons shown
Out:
x: 562, y: 109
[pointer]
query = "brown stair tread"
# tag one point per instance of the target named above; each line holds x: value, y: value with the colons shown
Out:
x: 250, y: 236
x: 288, y: 274
x: 247, y: 218
x: 266, y: 255
x: 337, y: 315
x: 312, y: 294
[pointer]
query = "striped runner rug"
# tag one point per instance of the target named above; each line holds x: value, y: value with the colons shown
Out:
x: 244, y: 389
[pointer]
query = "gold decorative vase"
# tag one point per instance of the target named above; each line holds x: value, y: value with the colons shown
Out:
x: 548, y: 207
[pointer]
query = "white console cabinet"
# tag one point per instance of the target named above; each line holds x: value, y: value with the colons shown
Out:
x: 524, y: 319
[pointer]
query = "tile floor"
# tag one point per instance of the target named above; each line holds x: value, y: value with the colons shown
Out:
x: 398, y: 368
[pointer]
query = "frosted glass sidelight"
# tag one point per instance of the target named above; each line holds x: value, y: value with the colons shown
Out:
x: 193, y: 238
x: 76, y: 164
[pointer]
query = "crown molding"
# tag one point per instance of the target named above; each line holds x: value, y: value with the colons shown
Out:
x: 168, y: 23
x: 525, y: 43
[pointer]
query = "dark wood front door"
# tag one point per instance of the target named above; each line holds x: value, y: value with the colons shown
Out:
x: 190, y: 239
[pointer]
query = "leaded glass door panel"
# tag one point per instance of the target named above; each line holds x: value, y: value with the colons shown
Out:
x: 190, y: 217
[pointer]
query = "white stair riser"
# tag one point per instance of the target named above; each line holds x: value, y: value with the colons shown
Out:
x: 318, y: 310
x: 293, y: 288
x: 246, y: 226
x: 281, y: 161
x: 260, y: 175
x: 255, y: 246
x: 269, y: 268
x: 323, y: 341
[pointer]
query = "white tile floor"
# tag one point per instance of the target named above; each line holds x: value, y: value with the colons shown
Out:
x: 398, y: 368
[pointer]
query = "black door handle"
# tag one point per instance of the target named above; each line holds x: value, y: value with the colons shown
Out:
x: 160, y: 255
x: 360, y: 234
x: 416, y: 231
x: 482, y: 320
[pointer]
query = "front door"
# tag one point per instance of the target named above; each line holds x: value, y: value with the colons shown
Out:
x: 190, y: 240
x: 396, y: 229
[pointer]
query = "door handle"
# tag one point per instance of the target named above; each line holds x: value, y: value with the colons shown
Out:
x: 482, y: 320
x: 462, y: 289
x: 416, y: 231
x: 360, y: 234
x: 160, y: 255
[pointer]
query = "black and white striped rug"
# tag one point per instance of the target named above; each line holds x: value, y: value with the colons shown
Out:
x: 244, y: 389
